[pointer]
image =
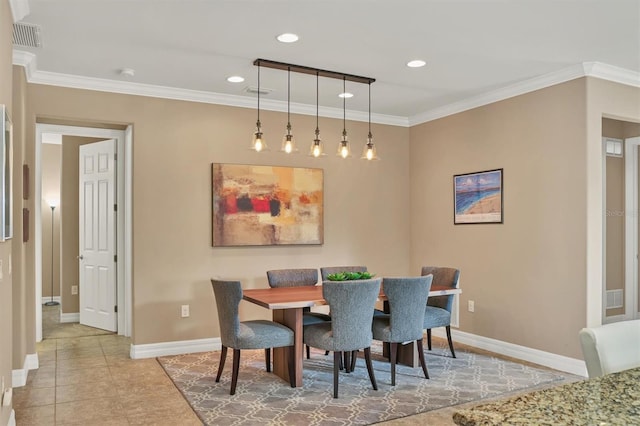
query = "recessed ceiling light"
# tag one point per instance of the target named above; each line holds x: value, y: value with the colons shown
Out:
x: 417, y: 63
x: 235, y: 79
x: 345, y: 95
x: 287, y: 38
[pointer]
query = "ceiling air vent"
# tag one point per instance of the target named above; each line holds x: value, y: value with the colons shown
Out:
x: 253, y: 89
x: 26, y: 35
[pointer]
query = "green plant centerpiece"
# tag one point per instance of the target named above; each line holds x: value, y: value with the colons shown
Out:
x: 350, y: 276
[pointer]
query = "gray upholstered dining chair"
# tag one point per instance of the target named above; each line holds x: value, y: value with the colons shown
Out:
x: 406, y: 297
x: 256, y: 334
x: 438, y: 310
x: 351, y: 306
x: 295, y: 278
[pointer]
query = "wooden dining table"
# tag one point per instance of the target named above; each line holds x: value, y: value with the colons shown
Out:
x: 287, y: 304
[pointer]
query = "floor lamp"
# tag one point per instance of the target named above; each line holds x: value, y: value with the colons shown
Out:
x: 52, y: 204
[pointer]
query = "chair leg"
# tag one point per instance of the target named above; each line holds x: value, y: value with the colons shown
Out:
x: 326, y: 353
x: 392, y: 359
x: 223, y: 358
x: 421, y: 356
x: 353, y: 360
x: 372, y: 377
x: 429, y: 338
x: 292, y: 367
x: 308, y: 352
x: 234, y: 374
x: 337, y: 359
x: 267, y: 358
x: 347, y: 361
x: 450, y: 341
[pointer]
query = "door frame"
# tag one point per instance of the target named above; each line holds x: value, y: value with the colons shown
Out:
x: 631, y: 307
x: 124, y: 141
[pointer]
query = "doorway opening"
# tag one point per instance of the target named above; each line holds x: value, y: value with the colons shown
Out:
x: 122, y: 166
x: 621, y: 289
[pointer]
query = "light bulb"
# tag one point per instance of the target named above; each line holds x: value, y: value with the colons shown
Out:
x: 344, y: 151
x: 258, y: 145
x: 287, y: 147
x: 369, y: 154
x: 316, y: 151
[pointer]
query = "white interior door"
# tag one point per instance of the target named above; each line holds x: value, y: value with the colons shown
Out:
x: 97, y: 235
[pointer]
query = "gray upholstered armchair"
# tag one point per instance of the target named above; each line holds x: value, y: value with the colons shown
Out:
x: 257, y: 334
x: 406, y: 297
x: 438, y: 310
x: 295, y: 278
x: 351, y: 304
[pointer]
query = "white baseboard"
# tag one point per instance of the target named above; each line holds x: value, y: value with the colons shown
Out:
x: 174, y: 348
x: 12, y: 418
x: 19, y: 376
x: 70, y: 317
x: 548, y: 359
x: 31, y: 362
x: 46, y: 299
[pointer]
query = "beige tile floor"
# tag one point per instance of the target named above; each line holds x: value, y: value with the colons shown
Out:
x: 90, y: 380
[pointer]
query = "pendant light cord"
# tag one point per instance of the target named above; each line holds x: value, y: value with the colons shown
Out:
x: 344, y: 105
x: 258, y: 93
x: 288, y: 98
x: 369, y: 110
x: 317, y: 95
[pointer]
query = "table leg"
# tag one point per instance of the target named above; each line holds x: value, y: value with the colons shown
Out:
x: 407, y: 354
x: 292, y: 318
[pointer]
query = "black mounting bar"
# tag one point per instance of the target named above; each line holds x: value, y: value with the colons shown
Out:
x: 313, y: 71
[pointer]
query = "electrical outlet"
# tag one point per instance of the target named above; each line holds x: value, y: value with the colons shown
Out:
x: 471, y: 306
x: 74, y: 289
x: 185, y: 311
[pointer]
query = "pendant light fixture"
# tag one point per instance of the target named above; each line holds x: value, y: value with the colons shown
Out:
x: 316, y: 146
x: 369, y: 151
x: 258, y: 144
x: 288, y: 144
x: 344, y: 150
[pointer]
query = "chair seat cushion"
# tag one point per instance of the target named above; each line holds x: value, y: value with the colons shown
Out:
x: 381, y: 328
x: 260, y: 334
x: 436, y: 317
x: 320, y: 336
x: 309, y: 318
x: 379, y: 313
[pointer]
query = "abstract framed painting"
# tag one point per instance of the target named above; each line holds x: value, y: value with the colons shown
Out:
x: 257, y: 205
x: 478, y: 197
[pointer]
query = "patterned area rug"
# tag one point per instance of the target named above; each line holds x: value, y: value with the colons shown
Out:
x: 262, y: 398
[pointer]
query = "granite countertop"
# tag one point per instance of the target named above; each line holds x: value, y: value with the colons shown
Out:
x: 613, y: 399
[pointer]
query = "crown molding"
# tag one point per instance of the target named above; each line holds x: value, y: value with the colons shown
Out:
x: 19, y: 9
x: 27, y: 60
x: 586, y: 69
x: 612, y: 73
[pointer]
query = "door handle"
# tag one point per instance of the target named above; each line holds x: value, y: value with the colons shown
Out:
x: 80, y: 257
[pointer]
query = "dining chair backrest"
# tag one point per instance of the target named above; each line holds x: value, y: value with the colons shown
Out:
x: 445, y: 277
x: 351, y: 304
x: 292, y: 277
x: 228, y: 296
x: 325, y: 271
x: 406, y: 297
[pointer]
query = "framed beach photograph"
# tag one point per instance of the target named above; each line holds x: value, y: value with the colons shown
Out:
x: 266, y: 205
x: 478, y: 197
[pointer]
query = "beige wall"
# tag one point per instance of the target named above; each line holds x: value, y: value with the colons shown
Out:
x: 527, y: 275
x: 366, y: 204
x: 69, y: 218
x: 51, y: 172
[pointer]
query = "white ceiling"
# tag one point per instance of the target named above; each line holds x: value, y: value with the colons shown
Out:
x: 474, y: 49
